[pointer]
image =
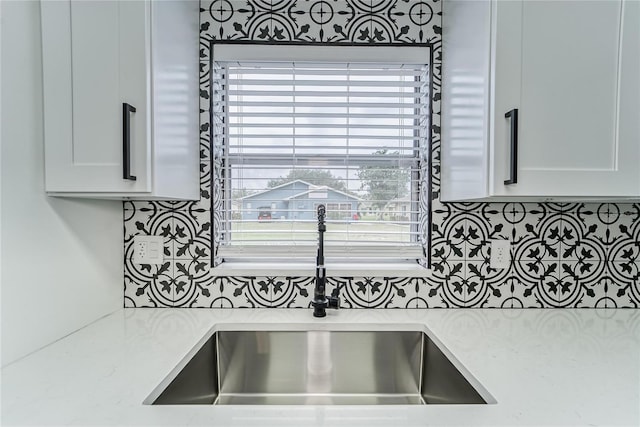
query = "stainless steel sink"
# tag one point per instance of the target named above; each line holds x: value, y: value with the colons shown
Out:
x: 328, y: 365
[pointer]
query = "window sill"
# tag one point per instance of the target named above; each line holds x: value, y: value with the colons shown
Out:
x: 333, y: 269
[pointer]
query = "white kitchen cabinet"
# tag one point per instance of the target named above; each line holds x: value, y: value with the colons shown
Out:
x: 121, y: 98
x: 572, y: 71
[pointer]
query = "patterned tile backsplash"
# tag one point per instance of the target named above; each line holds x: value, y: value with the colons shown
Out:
x: 565, y: 254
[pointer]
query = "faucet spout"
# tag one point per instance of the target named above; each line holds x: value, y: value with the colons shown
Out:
x: 320, y: 301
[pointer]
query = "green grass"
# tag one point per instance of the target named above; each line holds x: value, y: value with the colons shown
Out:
x: 290, y: 230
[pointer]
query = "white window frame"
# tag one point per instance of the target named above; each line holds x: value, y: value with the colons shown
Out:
x: 368, y: 261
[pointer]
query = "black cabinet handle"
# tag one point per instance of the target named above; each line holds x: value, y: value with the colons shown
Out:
x: 513, y: 161
x: 126, y: 141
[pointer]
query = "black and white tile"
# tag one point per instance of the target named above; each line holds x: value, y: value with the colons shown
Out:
x: 564, y: 254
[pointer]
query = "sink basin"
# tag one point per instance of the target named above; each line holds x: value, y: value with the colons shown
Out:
x: 319, y: 365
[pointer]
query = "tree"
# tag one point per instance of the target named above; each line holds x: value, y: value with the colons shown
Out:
x: 384, y: 182
x: 239, y: 193
x: 312, y: 176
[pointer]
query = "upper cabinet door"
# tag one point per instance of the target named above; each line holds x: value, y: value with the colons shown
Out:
x: 560, y: 64
x: 571, y: 69
x: 95, y: 59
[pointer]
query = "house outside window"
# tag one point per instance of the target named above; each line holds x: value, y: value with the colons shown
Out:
x: 299, y: 126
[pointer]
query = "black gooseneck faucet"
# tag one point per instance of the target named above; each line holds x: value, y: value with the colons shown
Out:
x: 320, y: 301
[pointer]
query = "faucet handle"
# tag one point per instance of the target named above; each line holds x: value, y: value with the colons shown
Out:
x: 333, y: 302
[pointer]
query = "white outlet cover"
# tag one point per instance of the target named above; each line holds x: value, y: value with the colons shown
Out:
x: 500, y: 254
x: 154, y: 248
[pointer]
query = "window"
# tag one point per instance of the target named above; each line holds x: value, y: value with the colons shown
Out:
x: 297, y: 127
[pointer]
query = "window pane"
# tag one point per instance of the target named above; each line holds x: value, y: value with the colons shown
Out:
x: 297, y: 136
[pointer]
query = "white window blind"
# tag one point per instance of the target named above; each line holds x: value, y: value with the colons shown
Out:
x: 293, y: 135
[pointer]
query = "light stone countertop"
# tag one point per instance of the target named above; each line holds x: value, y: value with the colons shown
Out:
x: 544, y: 367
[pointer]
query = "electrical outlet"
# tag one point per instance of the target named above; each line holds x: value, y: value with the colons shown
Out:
x: 148, y: 250
x: 500, y: 254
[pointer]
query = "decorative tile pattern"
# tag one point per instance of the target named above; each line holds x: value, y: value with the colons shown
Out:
x: 430, y: 294
x: 322, y: 21
x: 148, y: 221
x: 191, y: 234
x: 485, y: 287
x: 583, y: 283
x: 392, y: 292
x: 536, y: 283
x: 293, y: 292
x: 193, y: 283
x: 149, y: 285
x: 564, y: 254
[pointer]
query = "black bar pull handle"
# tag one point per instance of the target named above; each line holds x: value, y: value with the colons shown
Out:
x: 513, y: 161
x: 126, y: 141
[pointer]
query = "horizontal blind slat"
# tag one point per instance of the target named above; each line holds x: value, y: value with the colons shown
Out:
x: 301, y: 250
x: 323, y: 104
x: 317, y: 83
x: 303, y: 161
x: 320, y: 126
x: 326, y: 115
x: 283, y: 69
x: 242, y: 165
x: 331, y: 65
x: 311, y: 136
x: 326, y: 94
